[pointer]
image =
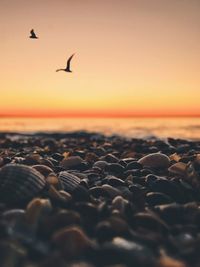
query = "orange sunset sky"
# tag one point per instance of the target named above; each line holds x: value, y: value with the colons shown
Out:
x: 133, y: 57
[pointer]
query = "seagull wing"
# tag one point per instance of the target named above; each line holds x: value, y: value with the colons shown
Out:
x: 68, y: 63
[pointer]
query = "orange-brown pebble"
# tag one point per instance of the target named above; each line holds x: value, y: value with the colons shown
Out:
x: 72, y: 241
x: 1, y: 161
x: 70, y: 162
x: 166, y: 261
x: 36, y: 209
x: 178, y: 168
x: 52, y: 179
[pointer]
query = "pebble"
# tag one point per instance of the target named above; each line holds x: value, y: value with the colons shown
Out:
x: 155, y: 160
x: 156, y: 198
x: 178, y: 168
x: 71, y: 162
x: 115, y: 168
x: 72, y: 241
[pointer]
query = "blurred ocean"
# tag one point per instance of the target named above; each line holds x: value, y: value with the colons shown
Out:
x: 186, y: 128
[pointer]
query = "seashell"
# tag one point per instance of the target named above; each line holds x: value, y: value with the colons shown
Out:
x: 47, y: 162
x: 178, y: 168
x: 43, y: 169
x: 65, y: 195
x: 69, y: 181
x: 155, y: 160
x: 20, y: 183
x: 71, y: 162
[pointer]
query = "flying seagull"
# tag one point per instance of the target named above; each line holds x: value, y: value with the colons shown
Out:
x: 33, y: 35
x: 67, y: 69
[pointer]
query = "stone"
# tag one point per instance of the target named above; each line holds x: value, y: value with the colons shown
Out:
x: 155, y: 160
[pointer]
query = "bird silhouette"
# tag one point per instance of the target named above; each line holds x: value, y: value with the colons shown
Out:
x: 33, y: 35
x: 67, y: 69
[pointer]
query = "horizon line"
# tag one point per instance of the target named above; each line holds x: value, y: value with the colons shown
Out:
x: 99, y: 116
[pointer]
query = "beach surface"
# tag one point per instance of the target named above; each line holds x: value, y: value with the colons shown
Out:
x: 86, y: 199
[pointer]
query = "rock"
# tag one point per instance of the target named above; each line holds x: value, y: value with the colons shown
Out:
x: 119, y: 203
x: 112, y: 192
x: 166, y: 261
x: 178, y: 168
x: 115, y: 168
x: 114, y: 181
x: 156, y: 198
x: 71, y: 162
x: 100, y: 164
x: 1, y: 162
x: 121, y: 251
x: 150, y: 221
x: 72, y: 241
x: 134, y: 165
x: 155, y: 160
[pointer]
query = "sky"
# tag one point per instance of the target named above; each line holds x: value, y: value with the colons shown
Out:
x: 132, y: 57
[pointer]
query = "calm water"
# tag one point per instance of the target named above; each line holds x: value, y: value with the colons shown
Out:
x: 188, y: 128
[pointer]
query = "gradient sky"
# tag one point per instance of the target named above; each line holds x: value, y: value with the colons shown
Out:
x: 133, y: 57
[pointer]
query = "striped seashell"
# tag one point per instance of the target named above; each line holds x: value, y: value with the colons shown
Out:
x: 43, y: 169
x: 20, y: 183
x: 69, y: 181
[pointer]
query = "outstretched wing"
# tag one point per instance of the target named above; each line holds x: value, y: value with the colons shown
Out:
x: 68, y: 63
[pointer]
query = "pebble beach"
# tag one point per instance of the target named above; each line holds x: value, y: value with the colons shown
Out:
x: 86, y: 199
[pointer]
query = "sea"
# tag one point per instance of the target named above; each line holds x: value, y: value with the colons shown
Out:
x: 184, y: 128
